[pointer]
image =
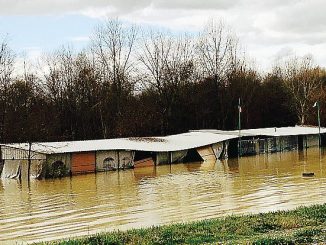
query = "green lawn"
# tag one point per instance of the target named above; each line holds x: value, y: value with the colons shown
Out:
x: 303, y: 225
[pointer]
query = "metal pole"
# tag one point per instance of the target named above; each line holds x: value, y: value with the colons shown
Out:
x: 318, y: 108
x: 239, y: 126
x: 29, y: 161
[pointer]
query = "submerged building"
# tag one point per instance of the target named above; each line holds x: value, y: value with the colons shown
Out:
x: 269, y: 140
x: 56, y: 159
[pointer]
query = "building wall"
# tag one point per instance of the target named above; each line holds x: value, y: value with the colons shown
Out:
x: 19, y: 169
x: 207, y: 153
x: 163, y: 158
x: 83, y: 162
x: 18, y: 154
x: 217, y: 149
x: 146, y: 162
x: 287, y: 143
x: 178, y: 156
x: 312, y: 140
x: 62, y: 157
x: 248, y: 146
x: 11, y: 169
x: 53, y: 168
x: 170, y: 157
x: 112, y: 160
x: 268, y: 145
x: 225, y: 150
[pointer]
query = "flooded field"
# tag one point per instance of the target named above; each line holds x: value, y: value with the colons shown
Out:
x: 81, y: 205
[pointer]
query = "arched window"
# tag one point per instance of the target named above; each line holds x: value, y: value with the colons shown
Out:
x: 56, y: 169
x: 108, y: 164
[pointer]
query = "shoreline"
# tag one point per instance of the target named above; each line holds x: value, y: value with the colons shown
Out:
x: 298, y: 226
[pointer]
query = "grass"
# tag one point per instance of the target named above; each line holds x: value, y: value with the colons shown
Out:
x: 303, y: 225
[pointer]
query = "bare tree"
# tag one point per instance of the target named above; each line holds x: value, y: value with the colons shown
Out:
x: 7, y: 58
x: 218, y: 60
x: 303, y: 80
x: 216, y: 52
x: 73, y: 89
x: 169, y: 65
x: 112, y: 47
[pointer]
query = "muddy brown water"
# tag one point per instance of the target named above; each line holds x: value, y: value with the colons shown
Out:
x: 68, y: 207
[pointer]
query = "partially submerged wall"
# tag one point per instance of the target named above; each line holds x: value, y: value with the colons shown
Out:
x: 256, y: 146
x: 83, y: 162
x: 170, y: 157
x: 217, y: 149
x: 16, y: 163
x: 276, y: 144
x: 163, y: 158
x: 57, y: 165
x: 207, y: 153
x: 16, y: 169
x: 312, y: 140
x: 113, y: 160
x: 178, y: 156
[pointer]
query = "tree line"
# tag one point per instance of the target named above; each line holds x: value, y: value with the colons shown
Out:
x: 130, y: 82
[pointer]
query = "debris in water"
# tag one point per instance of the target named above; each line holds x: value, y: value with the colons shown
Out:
x: 308, y: 174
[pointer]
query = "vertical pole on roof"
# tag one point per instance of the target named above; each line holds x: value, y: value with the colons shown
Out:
x: 239, y: 125
x: 318, y: 108
x: 318, y: 114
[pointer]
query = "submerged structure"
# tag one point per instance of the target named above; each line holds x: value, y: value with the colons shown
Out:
x: 269, y: 140
x: 57, y: 159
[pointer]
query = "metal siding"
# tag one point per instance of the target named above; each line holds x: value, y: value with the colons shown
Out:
x: 9, y: 153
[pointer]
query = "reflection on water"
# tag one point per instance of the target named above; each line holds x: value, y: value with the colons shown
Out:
x: 52, y: 209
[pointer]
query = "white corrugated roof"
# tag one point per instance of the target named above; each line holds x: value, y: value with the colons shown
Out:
x: 156, y: 144
x: 193, y: 139
x: 283, y: 131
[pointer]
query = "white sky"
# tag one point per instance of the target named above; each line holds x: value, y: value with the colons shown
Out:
x: 267, y: 29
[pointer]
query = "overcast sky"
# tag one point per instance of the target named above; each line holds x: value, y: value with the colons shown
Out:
x: 267, y: 29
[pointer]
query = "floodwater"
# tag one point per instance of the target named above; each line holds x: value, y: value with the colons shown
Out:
x: 86, y: 204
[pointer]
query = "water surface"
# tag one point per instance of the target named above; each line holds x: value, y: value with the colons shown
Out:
x: 86, y: 204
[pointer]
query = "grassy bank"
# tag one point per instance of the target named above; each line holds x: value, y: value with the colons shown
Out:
x: 300, y: 226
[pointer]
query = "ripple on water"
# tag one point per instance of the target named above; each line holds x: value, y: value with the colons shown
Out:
x: 52, y: 209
